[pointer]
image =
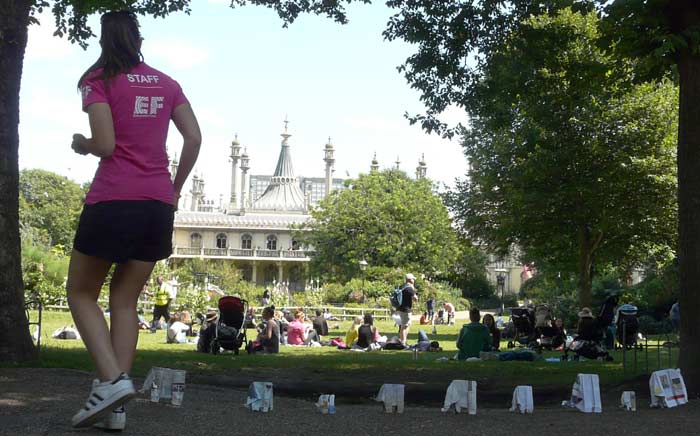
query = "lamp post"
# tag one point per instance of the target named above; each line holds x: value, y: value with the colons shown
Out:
x: 501, y: 282
x: 363, y: 267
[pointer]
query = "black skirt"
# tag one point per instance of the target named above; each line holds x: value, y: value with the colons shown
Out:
x: 123, y: 230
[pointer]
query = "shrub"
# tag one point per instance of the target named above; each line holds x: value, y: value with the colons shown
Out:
x: 650, y: 326
x: 44, y: 272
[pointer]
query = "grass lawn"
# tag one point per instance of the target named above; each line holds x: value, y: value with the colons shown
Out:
x: 153, y: 351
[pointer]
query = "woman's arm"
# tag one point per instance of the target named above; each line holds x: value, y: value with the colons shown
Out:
x: 102, y: 130
x: 186, y: 123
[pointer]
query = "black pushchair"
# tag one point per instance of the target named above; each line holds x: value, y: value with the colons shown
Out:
x: 627, y: 325
x: 230, y: 329
x: 523, y: 319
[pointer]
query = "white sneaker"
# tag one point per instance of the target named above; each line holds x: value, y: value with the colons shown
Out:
x: 104, y: 397
x: 114, y: 421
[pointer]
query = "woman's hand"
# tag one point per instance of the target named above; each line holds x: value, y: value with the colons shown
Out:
x: 78, y: 144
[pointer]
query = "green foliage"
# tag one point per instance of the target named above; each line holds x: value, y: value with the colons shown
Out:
x: 469, y: 273
x: 44, y: 273
x: 657, y: 292
x: 570, y: 162
x: 50, y: 206
x: 385, y: 218
x: 194, y: 300
x: 315, y: 298
x: 558, y: 292
x: 653, y: 32
x: 197, y: 272
x: 648, y: 325
x: 72, y: 17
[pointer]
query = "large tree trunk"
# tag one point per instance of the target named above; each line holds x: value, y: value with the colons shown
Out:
x: 689, y: 218
x: 15, y: 341
x: 588, y: 243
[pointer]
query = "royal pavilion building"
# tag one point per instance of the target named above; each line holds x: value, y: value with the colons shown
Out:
x: 254, y: 228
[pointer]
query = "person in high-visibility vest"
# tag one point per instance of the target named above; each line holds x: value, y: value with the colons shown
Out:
x: 161, y: 306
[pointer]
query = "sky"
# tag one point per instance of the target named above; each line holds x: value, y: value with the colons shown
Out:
x: 243, y: 74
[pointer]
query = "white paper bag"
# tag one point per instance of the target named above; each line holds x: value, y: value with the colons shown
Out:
x: 628, y: 401
x: 462, y: 395
x: 585, y: 394
x: 522, y: 400
x: 471, y: 393
x: 326, y: 404
x: 667, y: 388
x: 392, y: 397
x: 260, y: 397
x: 164, y: 379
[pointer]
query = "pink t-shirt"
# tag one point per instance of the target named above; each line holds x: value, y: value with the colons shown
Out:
x: 295, y: 333
x: 142, y: 103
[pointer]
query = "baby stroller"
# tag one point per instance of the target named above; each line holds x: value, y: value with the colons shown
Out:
x: 627, y: 325
x: 230, y: 329
x: 524, y: 322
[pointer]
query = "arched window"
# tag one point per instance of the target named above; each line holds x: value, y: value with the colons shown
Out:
x: 221, y: 241
x: 195, y: 240
x: 246, y: 242
x: 271, y: 242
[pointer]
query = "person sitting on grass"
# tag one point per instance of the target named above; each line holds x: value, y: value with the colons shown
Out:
x: 473, y: 338
x: 269, y: 336
x: 424, y: 320
x: 490, y: 323
x: 559, y: 340
x: 320, y: 325
x: 366, y: 334
x: 207, y: 331
x: 351, y: 335
x: 299, y: 333
x: 177, y: 330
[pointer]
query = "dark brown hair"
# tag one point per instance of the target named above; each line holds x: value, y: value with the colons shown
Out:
x: 121, y: 45
x: 474, y: 314
x: 492, y: 327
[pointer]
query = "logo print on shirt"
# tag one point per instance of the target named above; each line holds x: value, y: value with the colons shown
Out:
x: 147, y: 106
x: 85, y: 90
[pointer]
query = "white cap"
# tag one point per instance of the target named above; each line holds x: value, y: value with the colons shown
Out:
x: 410, y: 276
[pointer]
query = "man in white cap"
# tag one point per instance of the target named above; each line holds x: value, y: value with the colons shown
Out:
x: 404, y: 311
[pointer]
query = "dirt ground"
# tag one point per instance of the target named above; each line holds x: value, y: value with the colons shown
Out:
x: 41, y: 402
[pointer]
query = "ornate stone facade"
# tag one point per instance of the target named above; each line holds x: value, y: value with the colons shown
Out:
x: 254, y: 228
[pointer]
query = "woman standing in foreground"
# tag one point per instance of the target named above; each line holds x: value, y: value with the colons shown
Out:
x: 128, y: 214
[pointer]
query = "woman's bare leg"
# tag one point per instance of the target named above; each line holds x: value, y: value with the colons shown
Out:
x: 86, y: 274
x: 127, y: 282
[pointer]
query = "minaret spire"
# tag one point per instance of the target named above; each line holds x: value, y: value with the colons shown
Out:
x: 375, y: 163
x: 235, y: 157
x: 330, y: 162
x: 422, y: 167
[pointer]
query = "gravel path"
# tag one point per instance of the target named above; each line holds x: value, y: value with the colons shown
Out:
x: 41, y: 402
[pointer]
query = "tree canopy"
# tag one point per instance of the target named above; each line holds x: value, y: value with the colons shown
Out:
x: 385, y: 218
x: 568, y: 160
x: 49, y: 206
